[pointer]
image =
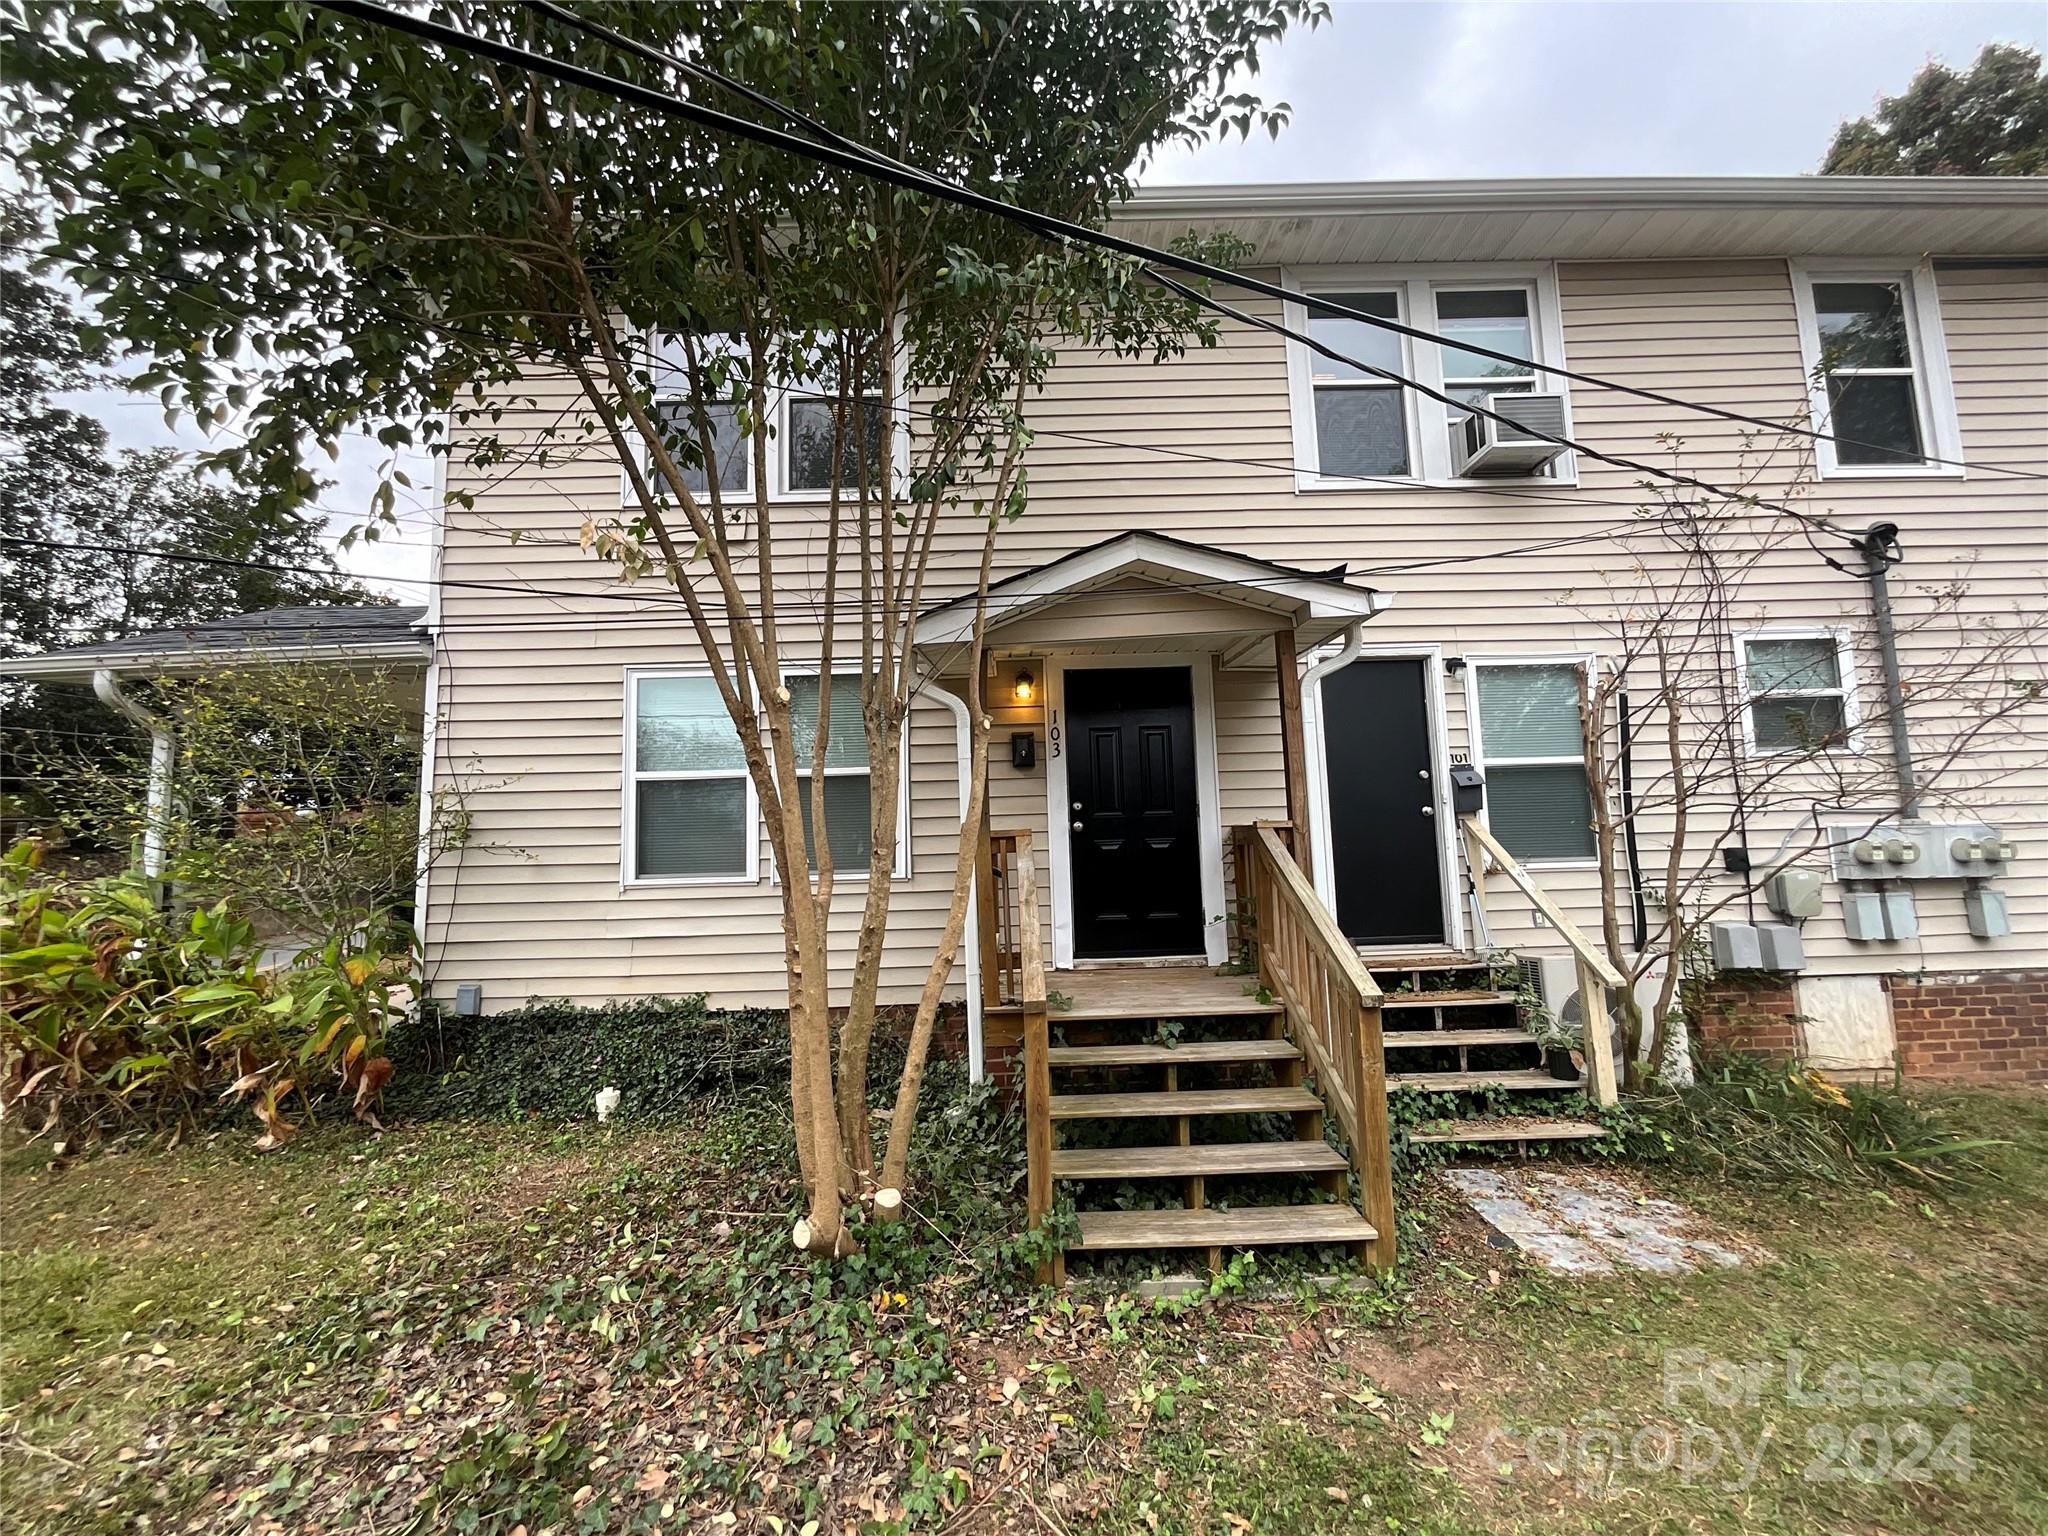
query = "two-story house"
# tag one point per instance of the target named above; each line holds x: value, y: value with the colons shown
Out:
x: 1292, y: 662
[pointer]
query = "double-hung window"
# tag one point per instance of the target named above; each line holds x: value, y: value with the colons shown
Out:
x: 1498, y: 319
x: 1354, y: 427
x: 1877, y: 370
x: 689, y: 802
x: 1361, y: 419
x: 1796, y: 692
x: 849, y: 802
x: 1527, y: 740
x: 800, y: 420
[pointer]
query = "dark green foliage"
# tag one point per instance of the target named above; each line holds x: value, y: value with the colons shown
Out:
x: 1992, y: 121
x: 553, y: 1057
x: 1746, y: 1118
x: 59, y: 482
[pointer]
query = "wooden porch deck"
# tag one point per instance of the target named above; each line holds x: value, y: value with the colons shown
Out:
x: 1155, y: 992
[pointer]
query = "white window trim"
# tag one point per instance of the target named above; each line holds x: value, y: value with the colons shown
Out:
x: 1845, y: 667
x: 780, y: 399
x: 1933, y: 386
x: 900, y: 870
x: 1475, y: 736
x: 1415, y: 288
x: 629, y: 799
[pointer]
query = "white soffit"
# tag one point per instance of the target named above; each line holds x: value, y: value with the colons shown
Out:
x: 1628, y: 219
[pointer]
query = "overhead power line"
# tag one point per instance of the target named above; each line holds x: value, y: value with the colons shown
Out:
x: 863, y: 163
x: 649, y: 602
x: 1067, y: 230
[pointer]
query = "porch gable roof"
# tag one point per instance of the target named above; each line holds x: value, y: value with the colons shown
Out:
x: 1320, y: 604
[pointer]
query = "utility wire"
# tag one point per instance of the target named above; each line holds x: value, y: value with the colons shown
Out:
x: 655, y: 600
x: 862, y: 163
x: 1069, y: 231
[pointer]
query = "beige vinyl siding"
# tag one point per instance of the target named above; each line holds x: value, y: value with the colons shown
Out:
x: 532, y: 685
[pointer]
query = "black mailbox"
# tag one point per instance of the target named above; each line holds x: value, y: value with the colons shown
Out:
x: 1468, y: 789
x: 1023, y: 750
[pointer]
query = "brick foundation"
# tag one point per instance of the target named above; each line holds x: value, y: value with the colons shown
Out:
x: 1987, y: 1027
x: 1983, y: 1027
x: 1744, y: 1011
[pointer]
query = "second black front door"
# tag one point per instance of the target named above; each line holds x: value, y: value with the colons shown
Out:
x: 1383, y: 831
x: 1136, y: 872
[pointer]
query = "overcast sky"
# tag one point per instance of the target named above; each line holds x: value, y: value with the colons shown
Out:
x: 1391, y: 89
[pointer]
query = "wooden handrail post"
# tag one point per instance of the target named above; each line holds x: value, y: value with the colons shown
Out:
x: 1596, y: 974
x: 1037, y: 1045
x: 1598, y: 1034
x: 1372, y: 1145
x: 985, y: 898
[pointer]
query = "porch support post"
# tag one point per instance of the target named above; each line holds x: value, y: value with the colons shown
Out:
x: 1293, y: 743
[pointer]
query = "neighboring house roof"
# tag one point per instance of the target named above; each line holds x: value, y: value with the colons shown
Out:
x: 1605, y: 218
x: 1318, y: 603
x: 388, y: 632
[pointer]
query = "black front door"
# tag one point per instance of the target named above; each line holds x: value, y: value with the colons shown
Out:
x: 1136, y: 865
x: 1383, y: 831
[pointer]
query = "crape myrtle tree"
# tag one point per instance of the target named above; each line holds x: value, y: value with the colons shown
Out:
x: 307, y: 221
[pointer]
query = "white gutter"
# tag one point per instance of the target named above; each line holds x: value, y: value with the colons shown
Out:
x: 156, y: 827
x: 60, y: 668
x: 970, y: 936
x: 1579, y: 193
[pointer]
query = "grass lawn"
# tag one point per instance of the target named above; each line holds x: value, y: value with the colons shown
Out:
x: 489, y: 1324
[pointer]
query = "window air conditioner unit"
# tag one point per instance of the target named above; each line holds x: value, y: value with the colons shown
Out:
x: 1482, y: 447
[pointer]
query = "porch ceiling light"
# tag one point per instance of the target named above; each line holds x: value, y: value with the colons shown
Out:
x: 1025, y: 689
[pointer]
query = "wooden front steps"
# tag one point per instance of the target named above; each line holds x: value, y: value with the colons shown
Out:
x: 1533, y: 1080
x: 1404, y: 1039
x: 1173, y: 1103
x: 1244, y: 1066
x: 1179, y: 1162
x: 1521, y: 1128
x: 1394, y: 1001
x: 1189, y: 1053
x: 1253, y: 1225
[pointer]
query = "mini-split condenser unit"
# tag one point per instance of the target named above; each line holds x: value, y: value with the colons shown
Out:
x: 1482, y: 447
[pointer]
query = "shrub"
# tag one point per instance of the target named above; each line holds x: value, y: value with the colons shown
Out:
x: 118, y: 1013
x: 1745, y: 1117
x: 553, y: 1057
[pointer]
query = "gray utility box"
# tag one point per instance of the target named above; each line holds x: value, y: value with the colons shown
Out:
x: 1758, y: 947
x: 1985, y: 909
x: 1918, y: 850
x: 1879, y: 916
x: 1794, y: 893
x: 1736, y: 947
x: 1781, y: 946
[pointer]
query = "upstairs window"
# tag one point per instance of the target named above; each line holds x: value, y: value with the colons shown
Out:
x: 1526, y: 740
x: 1877, y: 371
x: 800, y: 422
x: 1796, y: 692
x: 1353, y: 428
x: 1495, y: 318
x: 1361, y: 420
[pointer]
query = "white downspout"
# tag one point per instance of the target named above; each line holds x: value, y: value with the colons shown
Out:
x: 156, y: 827
x: 1317, y: 831
x: 970, y: 937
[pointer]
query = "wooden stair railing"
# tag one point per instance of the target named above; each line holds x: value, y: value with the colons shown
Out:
x: 1332, y: 1008
x: 1597, y: 977
x: 1013, y: 976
